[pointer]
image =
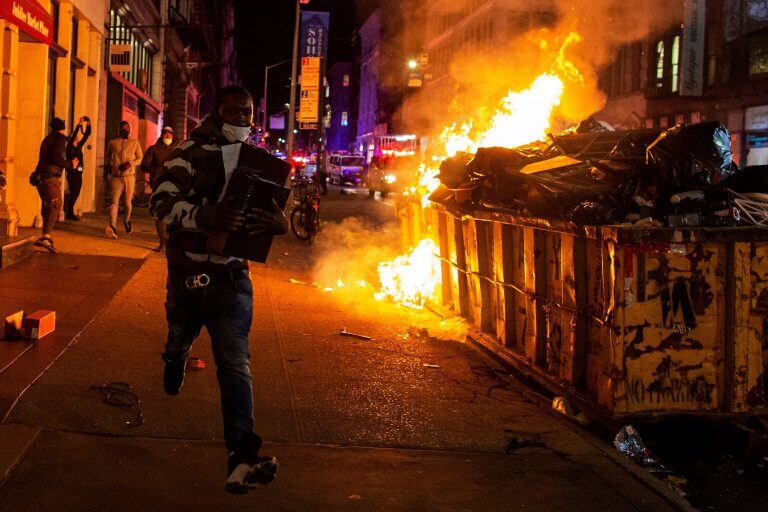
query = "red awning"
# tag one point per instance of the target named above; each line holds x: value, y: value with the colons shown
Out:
x: 30, y: 17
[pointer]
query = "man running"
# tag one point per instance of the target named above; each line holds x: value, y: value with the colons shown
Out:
x: 215, y: 292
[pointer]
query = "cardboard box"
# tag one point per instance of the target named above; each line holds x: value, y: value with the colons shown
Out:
x: 39, y: 324
x: 14, y: 324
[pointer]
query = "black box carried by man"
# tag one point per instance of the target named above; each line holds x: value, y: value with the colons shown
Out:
x: 258, y: 181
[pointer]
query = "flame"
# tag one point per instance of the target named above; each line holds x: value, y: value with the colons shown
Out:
x: 413, y: 278
x: 522, y: 117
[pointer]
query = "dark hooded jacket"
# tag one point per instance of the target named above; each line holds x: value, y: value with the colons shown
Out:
x: 155, y: 158
x: 194, y: 176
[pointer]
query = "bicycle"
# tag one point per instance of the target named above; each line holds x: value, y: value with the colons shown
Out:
x: 305, y: 217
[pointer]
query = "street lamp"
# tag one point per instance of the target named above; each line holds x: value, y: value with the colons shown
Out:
x: 266, y: 88
x: 412, y: 64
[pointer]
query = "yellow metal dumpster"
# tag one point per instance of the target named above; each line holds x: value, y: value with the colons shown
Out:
x: 628, y: 321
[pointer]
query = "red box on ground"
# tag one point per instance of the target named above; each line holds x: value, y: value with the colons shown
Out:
x: 39, y: 324
x: 13, y: 325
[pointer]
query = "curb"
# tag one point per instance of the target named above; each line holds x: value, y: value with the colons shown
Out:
x: 654, y: 484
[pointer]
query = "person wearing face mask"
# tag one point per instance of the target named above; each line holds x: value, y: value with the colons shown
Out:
x: 211, y: 291
x: 75, y: 143
x: 153, y: 164
x: 47, y: 179
x: 124, y: 156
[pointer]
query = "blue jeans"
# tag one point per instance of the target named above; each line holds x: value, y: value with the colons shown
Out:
x: 225, y: 309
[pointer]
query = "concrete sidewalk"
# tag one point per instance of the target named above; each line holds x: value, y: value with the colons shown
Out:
x: 357, y: 425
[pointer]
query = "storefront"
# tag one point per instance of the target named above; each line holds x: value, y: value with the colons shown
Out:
x: 51, y: 66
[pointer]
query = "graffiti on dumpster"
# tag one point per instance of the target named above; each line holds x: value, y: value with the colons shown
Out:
x: 671, y: 384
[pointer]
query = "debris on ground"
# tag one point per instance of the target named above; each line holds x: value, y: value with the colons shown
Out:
x: 676, y: 483
x: 348, y: 334
x: 563, y: 406
x: 196, y: 363
x: 35, y: 326
x: 629, y: 443
x: 120, y: 394
x: 430, y: 365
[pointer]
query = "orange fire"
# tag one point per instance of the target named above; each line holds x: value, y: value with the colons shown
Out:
x: 522, y: 117
x: 413, y: 278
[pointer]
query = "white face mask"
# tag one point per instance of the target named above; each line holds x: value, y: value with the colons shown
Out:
x: 235, y: 133
x: 167, y: 142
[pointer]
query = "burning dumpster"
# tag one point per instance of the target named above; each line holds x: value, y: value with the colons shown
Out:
x: 627, y: 270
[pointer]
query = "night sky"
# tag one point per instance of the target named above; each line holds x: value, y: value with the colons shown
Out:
x: 264, y: 30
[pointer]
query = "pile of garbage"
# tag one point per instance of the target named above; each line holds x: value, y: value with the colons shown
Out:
x: 594, y: 175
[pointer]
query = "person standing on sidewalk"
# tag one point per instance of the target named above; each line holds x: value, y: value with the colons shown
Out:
x: 215, y: 292
x: 153, y: 164
x: 75, y: 143
x: 47, y: 179
x: 124, y: 156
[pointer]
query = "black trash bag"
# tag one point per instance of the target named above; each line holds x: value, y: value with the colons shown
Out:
x: 633, y: 145
x: 690, y: 156
x: 490, y: 161
x: 556, y: 192
x: 749, y: 179
x: 592, y: 125
x: 454, y: 172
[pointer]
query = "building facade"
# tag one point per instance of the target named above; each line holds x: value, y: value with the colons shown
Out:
x: 166, y: 60
x: 647, y: 84
x: 341, y: 123
x: 459, y: 30
x: 51, y: 66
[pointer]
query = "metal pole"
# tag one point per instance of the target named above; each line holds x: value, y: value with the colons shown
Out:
x: 294, y: 80
x: 264, y: 109
x: 266, y: 88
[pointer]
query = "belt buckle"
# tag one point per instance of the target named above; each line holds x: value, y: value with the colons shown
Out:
x: 199, y: 281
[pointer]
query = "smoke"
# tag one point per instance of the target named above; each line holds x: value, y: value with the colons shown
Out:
x: 607, y: 24
x: 348, y: 254
x: 482, y: 72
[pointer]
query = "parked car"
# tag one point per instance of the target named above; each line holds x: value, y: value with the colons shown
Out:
x: 346, y: 169
x: 388, y: 174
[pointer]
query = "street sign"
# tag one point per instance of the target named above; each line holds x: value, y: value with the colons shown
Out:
x: 310, y: 74
x: 314, y: 34
x: 308, y: 126
x: 309, y: 106
x: 120, y: 57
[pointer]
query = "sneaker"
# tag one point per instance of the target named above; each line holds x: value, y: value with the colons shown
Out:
x: 46, y: 242
x: 173, y: 375
x: 111, y: 232
x: 73, y: 217
x: 128, y: 226
x: 247, y: 470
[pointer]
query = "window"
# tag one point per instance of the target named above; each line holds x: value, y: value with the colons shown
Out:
x: 55, y: 15
x: 346, y: 80
x: 660, y: 64
x: 72, y: 88
x: 676, y: 64
x: 141, y: 56
x: 344, y: 119
x: 758, y: 55
x: 75, y: 30
x: 49, y: 108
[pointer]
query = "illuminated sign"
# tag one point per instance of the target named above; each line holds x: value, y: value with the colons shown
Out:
x: 309, y: 104
x: 30, y: 17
